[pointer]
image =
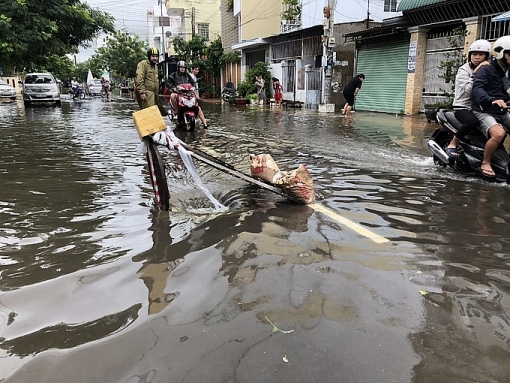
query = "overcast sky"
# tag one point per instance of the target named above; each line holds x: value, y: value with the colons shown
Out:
x: 132, y: 14
x: 129, y: 14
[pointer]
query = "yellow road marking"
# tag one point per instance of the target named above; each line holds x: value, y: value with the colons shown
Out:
x: 352, y: 225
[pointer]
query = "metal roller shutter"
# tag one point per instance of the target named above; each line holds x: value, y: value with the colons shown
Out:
x: 385, y: 68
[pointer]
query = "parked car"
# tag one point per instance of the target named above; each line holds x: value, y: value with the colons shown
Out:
x: 7, y: 90
x: 40, y: 87
x: 95, y: 88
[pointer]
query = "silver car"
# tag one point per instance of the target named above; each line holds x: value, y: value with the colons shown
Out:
x: 7, y: 90
x: 95, y: 88
x: 40, y: 87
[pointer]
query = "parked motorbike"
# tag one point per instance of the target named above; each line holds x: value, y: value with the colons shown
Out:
x: 187, y: 111
x: 228, y: 92
x: 469, y: 152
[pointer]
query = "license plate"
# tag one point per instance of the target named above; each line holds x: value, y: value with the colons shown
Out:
x: 40, y: 96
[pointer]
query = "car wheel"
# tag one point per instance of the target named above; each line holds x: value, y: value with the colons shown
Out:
x: 58, y: 103
x: 27, y: 103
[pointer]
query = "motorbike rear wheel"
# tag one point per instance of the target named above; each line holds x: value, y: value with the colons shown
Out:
x: 158, y: 175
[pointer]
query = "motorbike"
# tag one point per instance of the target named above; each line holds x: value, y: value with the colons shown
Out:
x: 187, y: 110
x: 469, y: 152
x: 78, y: 92
x: 228, y: 92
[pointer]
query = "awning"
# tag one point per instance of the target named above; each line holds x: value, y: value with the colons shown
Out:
x: 503, y: 17
x: 406, y: 5
x: 250, y: 44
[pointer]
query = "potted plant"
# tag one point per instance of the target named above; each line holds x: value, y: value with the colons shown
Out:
x: 252, y: 98
x: 292, y: 11
x: 241, y: 101
x: 207, y: 91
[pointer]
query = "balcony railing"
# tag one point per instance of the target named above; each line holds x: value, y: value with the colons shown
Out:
x: 289, y: 25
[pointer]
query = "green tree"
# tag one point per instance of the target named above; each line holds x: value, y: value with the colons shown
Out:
x: 213, y: 63
x: 121, y: 54
x: 190, y: 51
x: 32, y: 31
x: 247, y: 86
x: 60, y: 66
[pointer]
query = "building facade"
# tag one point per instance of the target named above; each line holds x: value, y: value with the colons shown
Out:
x: 400, y: 58
x: 193, y: 18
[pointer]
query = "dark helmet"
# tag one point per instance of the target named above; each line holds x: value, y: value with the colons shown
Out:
x: 182, y: 64
x: 152, y: 51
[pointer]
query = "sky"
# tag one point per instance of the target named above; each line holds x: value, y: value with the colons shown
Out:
x: 129, y: 14
x: 132, y: 15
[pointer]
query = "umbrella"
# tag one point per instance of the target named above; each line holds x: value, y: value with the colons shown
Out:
x: 503, y: 17
x: 90, y: 78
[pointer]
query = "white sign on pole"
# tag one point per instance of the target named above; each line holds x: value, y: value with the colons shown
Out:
x: 411, y: 59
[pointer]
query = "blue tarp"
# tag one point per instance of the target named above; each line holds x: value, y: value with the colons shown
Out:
x: 503, y: 17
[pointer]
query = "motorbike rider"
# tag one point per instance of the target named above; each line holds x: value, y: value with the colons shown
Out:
x: 194, y: 73
x: 489, y: 102
x: 478, y: 56
x: 181, y: 76
x: 147, y: 83
x: 106, y: 87
x: 74, y: 85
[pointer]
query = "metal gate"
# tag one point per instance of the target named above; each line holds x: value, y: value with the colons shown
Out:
x: 434, y: 87
x: 289, y: 78
x: 385, y: 69
x: 313, y: 86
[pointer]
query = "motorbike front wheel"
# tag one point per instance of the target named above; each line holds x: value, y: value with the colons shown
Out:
x: 81, y: 96
x: 225, y: 97
x: 158, y: 175
x: 190, y: 125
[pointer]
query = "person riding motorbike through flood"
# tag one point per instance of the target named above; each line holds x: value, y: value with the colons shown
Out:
x: 489, y: 102
x: 478, y: 56
x: 74, y: 84
x: 181, y: 76
x: 147, y: 83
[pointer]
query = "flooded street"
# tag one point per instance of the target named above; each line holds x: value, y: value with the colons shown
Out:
x: 97, y: 285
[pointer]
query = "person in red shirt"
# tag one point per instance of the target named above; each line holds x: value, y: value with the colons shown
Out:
x: 278, y: 91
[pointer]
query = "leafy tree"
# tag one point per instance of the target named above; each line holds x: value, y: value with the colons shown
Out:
x: 213, y: 63
x: 247, y: 86
x: 230, y: 57
x: 191, y: 51
x: 121, y: 54
x: 32, y: 31
x: 60, y: 66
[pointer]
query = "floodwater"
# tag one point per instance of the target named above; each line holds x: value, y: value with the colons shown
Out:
x: 97, y: 285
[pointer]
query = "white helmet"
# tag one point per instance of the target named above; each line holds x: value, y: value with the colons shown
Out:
x: 480, y: 46
x: 500, y: 46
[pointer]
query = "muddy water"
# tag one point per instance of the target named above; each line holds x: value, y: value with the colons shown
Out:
x: 97, y: 285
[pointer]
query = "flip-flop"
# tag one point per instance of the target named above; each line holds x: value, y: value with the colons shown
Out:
x: 487, y: 173
x: 452, y: 152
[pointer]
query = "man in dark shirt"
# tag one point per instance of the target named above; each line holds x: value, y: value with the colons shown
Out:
x: 489, y: 102
x: 351, y: 91
x: 181, y: 76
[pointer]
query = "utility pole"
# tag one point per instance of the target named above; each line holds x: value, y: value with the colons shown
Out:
x: 163, y: 47
x: 368, y: 14
x: 192, y: 22
x: 328, y: 40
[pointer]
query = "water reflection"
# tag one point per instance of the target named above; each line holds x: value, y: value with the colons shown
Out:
x: 91, y: 269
